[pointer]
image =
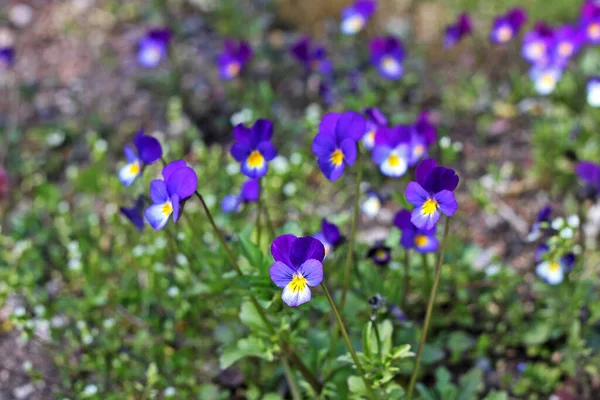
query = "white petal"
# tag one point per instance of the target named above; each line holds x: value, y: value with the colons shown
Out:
x: 156, y: 215
x: 294, y: 299
x: 394, y: 171
x: 371, y: 206
x: 128, y: 173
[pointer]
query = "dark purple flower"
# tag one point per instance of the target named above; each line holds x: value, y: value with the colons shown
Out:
x: 507, y: 26
x: 298, y: 266
x: 253, y: 148
x: 536, y: 228
x: 374, y: 119
x: 593, y: 91
x: 380, y: 254
x: 135, y: 214
x: 458, y: 30
x: 431, y: 194
x: 590, y: 21
x: 356, y: 16
x: 250, y: 193
x: 7, y: 58
x: 314, y: 58
x: 422, y: 240
x: 233, y: 58
x: 180, y: 182
x: 391, y: 151
x: 372, y: 205
x: 589, y: 173
x: 153, y: 47
x: 329, y: 235
x: 387, y: 54
x: 567, y: 42
x: 148, y: 151
x: 335, y: 144
x: 397, y: 313
x: 426, y: 128
x: 537, y: 43
x: 327, y: 92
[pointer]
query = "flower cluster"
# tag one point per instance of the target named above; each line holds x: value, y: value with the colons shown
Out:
x: 233, y: 58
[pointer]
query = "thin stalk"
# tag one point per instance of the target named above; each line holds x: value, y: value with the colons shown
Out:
x: 406, y: 278
x: 306, y: 373
x: 290, y: 379
x: 352, y: 232
x: 269, y: 222
x: 258, y: 229
x: 438, y: 271
x: 348, y: 343
x: 378, y: 338
x: 426, y: 270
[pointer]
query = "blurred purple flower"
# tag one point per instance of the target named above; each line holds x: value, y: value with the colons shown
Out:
x: 314, y: 59
x: 455, y: 32
x: 593, y: 91
x: 356, y: 16
x: 508, y: 25
x: 148, y: 151
x: 374, y: 119
x: 298, y: 266
x: 253, y: 148
x: 153, y: 47
x: 590, y: 21
x: 168, y: 195
x: 422, y: 240
x: 329, y: 235
x: 250, y: 193
x: 589, y: 173
x: 567, y: 42
x: 537, y: 43
x: 391, y: 151
x: 135, y: 214
x: 7, y: 58
x: 233, y: 58
x: 543, y: 216
x: 387, y: 54
x: 545, y: 77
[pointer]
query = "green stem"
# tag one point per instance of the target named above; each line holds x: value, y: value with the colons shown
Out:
x: 310, y: 378
x: 269, y: 222
x: 352, y: 233
x: 378, y: 338
x: 259, y: 211
x: 438, y: 271
x: 348, y: 343
x: 290, y: 379
x: 426, y: 271
x: 406, y: 279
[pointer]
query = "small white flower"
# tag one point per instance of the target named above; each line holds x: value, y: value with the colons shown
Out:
x: 181, y: 259
x: 280, y: 164
x: 39, y: 309
x: 160, y: 242
x: 567, y: 233
x: 90, y: 390
x: 593, y: 93
x: 108, y: 323
x: 457, y: 146
x: 492, y: 269
x: 551, y: 272
x: 169, y: 392
x: 75, y: 264
x: 63, y: 207
x: 110, y: 210
x: 81, y: 325
x: 241, y: 117
x: 445, y: 142
x: 208, y: 237
x: 232, y: 169
x: 101, y: 146
x: 138, y: 250
x: 55, y: 139
x: 180, y: 236
x: 289, y: 189
x: 573, y: 221
x: 73, y: 247
x: 19, y: 311
x: 313, y: 113
x: 210, y: 200
x: 87, y: 339
x: 558, y: 223
x: 173, y: 291
x: 371, y: 206
x: 27, y: 366
x: 296, y: 158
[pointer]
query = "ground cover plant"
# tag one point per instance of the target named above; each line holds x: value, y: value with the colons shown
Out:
x: 340, y: 211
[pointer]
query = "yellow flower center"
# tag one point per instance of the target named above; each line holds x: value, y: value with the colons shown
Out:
x: 554, y: 266
x: 419, y: 150
x: 420, y: 240
x: 355, y: 23
x: 134, y: 168
x: 167, y: 208
x: 594, y: 31
x: 233, y: 68
x: 390, y: 64
x: 298, y: 283
x: 548, y: 79
x: 537, y: 50
x: 504, y: 34
x: 381, y: 254
x: 394, y: 160
x: 565, y: 49
x: 429, y: 206
x: 337, y: 157
x: 371, y: 136
x: 255, y: 159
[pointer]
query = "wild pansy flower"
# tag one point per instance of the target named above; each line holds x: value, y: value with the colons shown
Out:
x: 537, y: 42
x: 329, y: 235
x: 314, y: 59
x: 7, y: 58
x: 590, y: 21
x: 327, y: 92
x: 593, y: 91
x: 387, y: 54
x: 567, y: 42
x: 135, y: 214
x: 372, y: 204
x: 374, y: 119
x: 589, y: 173
x: 168, y: 195
x: 543, y: 216
x: 356, y: 16
x: 422, y: 240
x: 253, y: 148
x: 455, y: 32
x: 431, y: 194
x: 553, y: 270
x: 507, y: 26
x: 298, y: 266
x: 233, y: 58
x: 250, y: 193
x: 335, y: 144
x: 153, y: 47
x: 148, y: 151
x: 380, y: 254
x: 391, y: 151
x: 545, y: 77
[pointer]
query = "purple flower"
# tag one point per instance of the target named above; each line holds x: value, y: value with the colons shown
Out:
x: 355, y: 16
x: 380, y: 254
x: 543, y: 216
x: 314, y: 59
x: 329, y: 236
x: 507, y: 26
x: 545, y: 77
x: 153, y: 47
x: 590, y: 21
x: 553, y: 270
x: 458, y: 30
x: 298, y: 266
x: 422, y: 134
x: 168, y: 195
x: 593, y: 91
x: 233, y: 58
x: 387, y: 54
x: 7, y: 58
x: 422, y: 240
x: 372, y: 205
x: 148, y: 151
x: 250, y: 193
x: 253, y: 148
x: 374, y: 119
x: 567, y: 42
x: 135, y: 214
x: 327, y: 92
x: 589, y: 173
x: 391, y: 151
x: 431, y: 194
x: 335, y: 144
x: 426, y: 128
x: 537, y: 42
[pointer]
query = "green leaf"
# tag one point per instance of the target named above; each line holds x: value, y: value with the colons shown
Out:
x: 496, y: 396
x: 366, y: 339
x: 251, y: 346
x: 356, y: 385
x: 250, y: 317
x: 470, y: 384
x: 252, y: 253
